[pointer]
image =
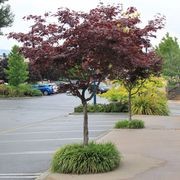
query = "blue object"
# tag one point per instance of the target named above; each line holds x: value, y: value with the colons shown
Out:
x: 46, y: 89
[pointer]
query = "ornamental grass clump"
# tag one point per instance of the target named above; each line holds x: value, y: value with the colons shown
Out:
x: 136, y: 124
x: 122, y: 124
x: 92, y: 158
x: 133, y: 124
x: 150, y: 104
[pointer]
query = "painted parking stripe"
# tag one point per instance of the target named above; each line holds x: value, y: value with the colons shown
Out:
x: 27, y: 153
x: 80, y: 126
x: 50, y: 132
x: 40, y: 140
x: 19, y: 175
x: 70, y: 122
x: 26, y: 126
x: 43, y: 140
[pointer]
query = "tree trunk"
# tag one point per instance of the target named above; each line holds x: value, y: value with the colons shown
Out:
x: 129, y: 105
x: 85, y: 128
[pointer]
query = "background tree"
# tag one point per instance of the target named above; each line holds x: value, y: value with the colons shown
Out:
x: 134, y: 77
x: 169, y: 50
x: 87, y: 46
x: 39, y: 74
x: 6, y: 17
x: 139, y: 64
x: 17, y: 69
x: 34, y: 74
x: 137, y: 60
x: 3, y: 66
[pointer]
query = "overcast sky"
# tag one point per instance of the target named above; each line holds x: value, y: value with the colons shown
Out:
x: 147, y: 9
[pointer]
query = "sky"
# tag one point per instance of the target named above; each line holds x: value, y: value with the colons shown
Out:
x: 147, y: 9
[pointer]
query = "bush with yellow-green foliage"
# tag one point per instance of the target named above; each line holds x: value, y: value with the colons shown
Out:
x: 150, y: 99
x: 118, y: 93
x: 150, y: 103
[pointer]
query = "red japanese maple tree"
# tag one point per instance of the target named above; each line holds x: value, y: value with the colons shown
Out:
x: 88, y: 46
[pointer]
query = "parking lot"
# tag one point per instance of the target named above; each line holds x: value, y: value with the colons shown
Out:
x: 33, y: 128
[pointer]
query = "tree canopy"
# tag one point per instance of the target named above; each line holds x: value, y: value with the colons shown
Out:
x: 90, y: 42
x: 17, y: 69
x: 169, y: 50
x: 6, y: 17
x: 89, y: 46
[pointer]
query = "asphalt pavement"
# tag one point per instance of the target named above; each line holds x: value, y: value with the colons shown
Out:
x: 33, y: 128
x: 152, y: 153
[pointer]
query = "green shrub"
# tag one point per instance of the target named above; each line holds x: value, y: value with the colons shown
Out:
x: 18, y: 91
x: 111, y: 107
x: 36, y: 92
x: 27, y: 90
x: 122, y: 124
x: 150, y: 99
x: 79, y: 159
x: 107, y: 108
x: 3, y: 90
x: 150, y: 104
x: 78, y: 109
x: 12, y: 91
x: 136, y: 124
x: 133, y: 124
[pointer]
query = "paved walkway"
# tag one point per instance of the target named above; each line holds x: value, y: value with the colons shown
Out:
x: 152, y: 153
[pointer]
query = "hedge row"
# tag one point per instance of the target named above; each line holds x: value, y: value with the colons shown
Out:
x: 111, y: 107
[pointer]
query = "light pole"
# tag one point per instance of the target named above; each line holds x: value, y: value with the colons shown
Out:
x: 94, y: 91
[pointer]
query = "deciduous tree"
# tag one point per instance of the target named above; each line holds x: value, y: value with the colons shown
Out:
x: 169, y: 50
x: 88, y: 46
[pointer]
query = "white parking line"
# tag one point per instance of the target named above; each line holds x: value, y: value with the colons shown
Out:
x: 19, y: 175
x: 50, y: 132
x: 26, y: 153
x: 80, y: 121
x: 67, y: 125
x: 40, y: 140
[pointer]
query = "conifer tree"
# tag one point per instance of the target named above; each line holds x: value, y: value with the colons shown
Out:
x: 6, y: 17
x: 17, y: 69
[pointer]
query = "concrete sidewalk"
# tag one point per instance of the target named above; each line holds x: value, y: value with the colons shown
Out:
x: 152, y: 153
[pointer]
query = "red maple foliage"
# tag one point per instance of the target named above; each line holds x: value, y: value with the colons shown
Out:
x: 89, y: 46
